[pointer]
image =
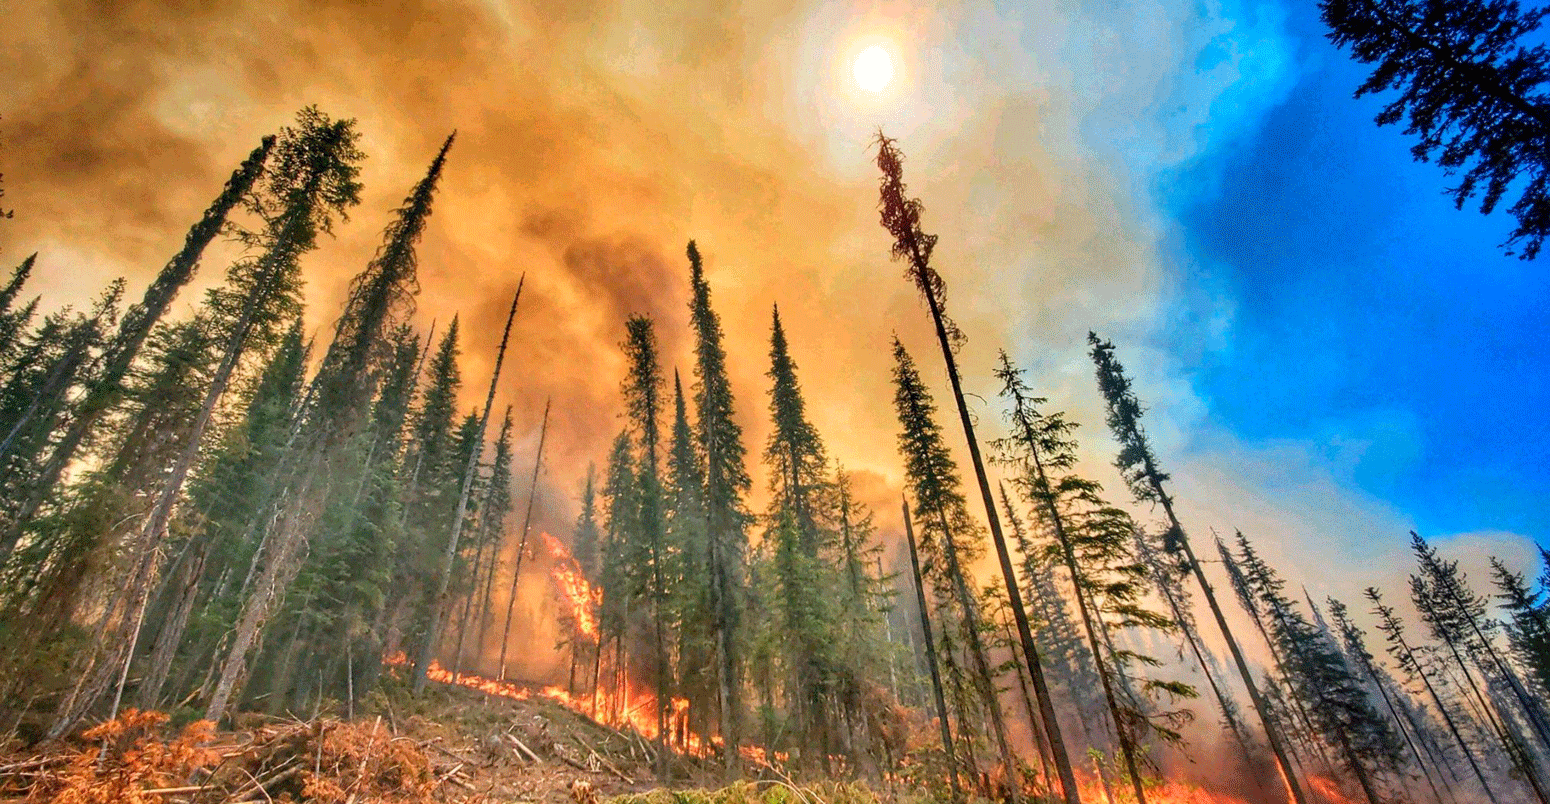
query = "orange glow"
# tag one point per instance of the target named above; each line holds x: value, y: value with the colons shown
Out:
x: 1162, y: 793
x: 637, y: 712
x: 1327, y: 789
x: 578, y: 593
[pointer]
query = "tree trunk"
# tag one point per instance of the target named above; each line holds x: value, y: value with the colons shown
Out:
x: 936, y: 675
x: 527, y: 522
x: 132, y: 333
x: 449, y: 558
x: 1008, y: 573
x: 1447, y: 718
x: 981, y: 665
x: 1272, y: 734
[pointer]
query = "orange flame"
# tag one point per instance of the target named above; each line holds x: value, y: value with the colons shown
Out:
x: 574, y: 587
x: 1167, y: 792
x: 635, y: 712
x: 1327, y: 788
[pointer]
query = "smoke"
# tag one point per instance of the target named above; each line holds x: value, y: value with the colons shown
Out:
x: 595, y: 139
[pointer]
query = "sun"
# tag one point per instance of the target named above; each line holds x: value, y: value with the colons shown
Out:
x: 874, y: 69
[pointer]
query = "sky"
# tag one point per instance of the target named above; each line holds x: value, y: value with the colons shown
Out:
x: 1330, y: 353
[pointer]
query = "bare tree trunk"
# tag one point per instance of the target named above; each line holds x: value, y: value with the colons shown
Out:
x: 449, y: 558
x: 527, y: 522
x: 170, y: 634
x: 936, y: 675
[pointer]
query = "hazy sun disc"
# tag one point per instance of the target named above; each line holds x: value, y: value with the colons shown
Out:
x: 874, y: 69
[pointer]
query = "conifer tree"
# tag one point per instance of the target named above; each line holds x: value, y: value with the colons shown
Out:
x: 493, y: 508
x: 12, y: 291
x: 1167, y: 575
x: 1470, y: 78
x: 440, y: 605
x: 689, y: 584
x: 1529, y: 629
x: 1299, y: 725
x: 372, y: 534
x: 311, y: 181
x: 621, y: 512
x: 1452, y: 613
x: 1410, y: 664
x: 1336, y: 701
x: 106, y: 386
x: 14, y: 320
x: 931, y: 654
x: 588, y: 536
x: 233, y: 494
x: 797, y: 463
x: 1138, y: 465
x: 1355, y: 644
x: 901, y: 217
x: 1456, y: 616
x: 726, y: 481
x: 948, y: 536
x: 1093, y: 540
x: 58, y: 358
x: 649, y: 556
x: 1066, y: 656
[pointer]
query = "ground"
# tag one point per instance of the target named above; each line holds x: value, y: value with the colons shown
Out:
x: 448, y: 745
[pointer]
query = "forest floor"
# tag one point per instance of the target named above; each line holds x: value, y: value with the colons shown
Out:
x: 447, y: 745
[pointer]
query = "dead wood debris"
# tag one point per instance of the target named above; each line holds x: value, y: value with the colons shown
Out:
x: 532, y: 755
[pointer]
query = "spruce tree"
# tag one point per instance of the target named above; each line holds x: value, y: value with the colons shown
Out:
x: 924, y: 609
x: 900, y: 215
x: 1094, y: 541
x: 649, y: 556
x: 56, y: 360
x: 1456, y: 616
x: 726, y: 517
x: 1529, y: 628
x: 1167, y: 579
x: 690, y: 588
x: 441, y: 603
x: 621, y: 516
x: 493, y: 508
x: 588, y: 536
x: 14, y: 320
x: 1336, y: 700
x: 1410, y: 664
x: 1138, y: 466
x: 311, y: 181
x: 106, y: 386
x: 949, y: 538
x: 797, y: 464
x: 1355, y: 644
x: 1470, y: 77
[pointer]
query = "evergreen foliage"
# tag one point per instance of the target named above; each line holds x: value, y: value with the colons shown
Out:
x: 1470, y: 78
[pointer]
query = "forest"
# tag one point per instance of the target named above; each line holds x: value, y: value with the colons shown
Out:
x: 215, y: 527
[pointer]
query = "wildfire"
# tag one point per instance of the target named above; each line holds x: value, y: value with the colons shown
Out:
x: 1168, y: 792
x: 635, y: 711
x: 1327, y: 788
x: 578, y: 593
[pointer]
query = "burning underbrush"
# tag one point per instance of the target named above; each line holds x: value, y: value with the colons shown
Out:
x: 448, y: 745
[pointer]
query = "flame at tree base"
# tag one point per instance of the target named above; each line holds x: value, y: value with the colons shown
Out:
x: 636, y: 712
